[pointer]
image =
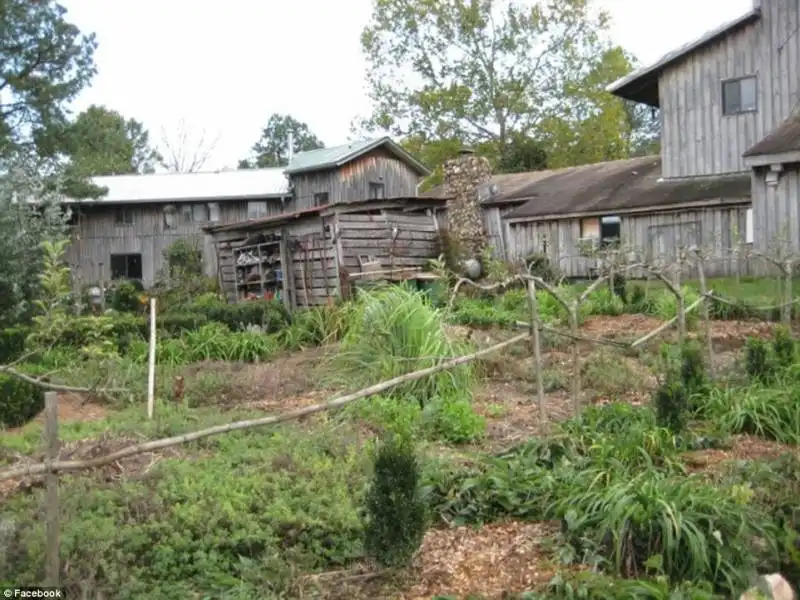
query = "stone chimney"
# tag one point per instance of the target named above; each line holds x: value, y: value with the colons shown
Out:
x: 463, y: 176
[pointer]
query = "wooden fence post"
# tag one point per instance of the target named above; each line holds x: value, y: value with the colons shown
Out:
x: 533, y: 306
x: 151, y: 362
x: 52, y: 509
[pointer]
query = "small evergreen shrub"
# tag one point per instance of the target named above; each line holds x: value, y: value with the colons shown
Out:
x: 758, y: 362
x: 783, y: 346
x: 693, y: 368
x: 619, y: 287
x: 671, y: 402
x: 395, y: 510
x: 20, y: 401
x: 177, y: 323
x: 270, y: 315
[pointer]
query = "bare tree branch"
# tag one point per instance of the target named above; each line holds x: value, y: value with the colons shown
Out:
x: 184, y: 154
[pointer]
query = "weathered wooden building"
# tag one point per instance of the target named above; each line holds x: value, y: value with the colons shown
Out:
x: 728, y: 104
x: 356, y: 212
x: 574, y: 211
x: 311, y: 256
x: 124, y: 233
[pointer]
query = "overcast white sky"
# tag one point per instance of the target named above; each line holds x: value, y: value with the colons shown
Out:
x: 225, y: 66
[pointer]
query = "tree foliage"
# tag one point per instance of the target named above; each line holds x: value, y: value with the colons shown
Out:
x: 102, y: 142
x: 271, y: 149
x: 24, y: 226
x: 45, y: 61
x: 524, y: 84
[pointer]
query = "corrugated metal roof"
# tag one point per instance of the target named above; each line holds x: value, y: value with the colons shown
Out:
x: 177, y: 187
x: 642, y: 84
x: 329, y: 158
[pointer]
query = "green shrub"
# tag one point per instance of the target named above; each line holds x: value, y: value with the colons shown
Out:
x: 671, y: 400
x: 125, y: 295
x: 540, y: 265
x: 395, y: 513
x: 454, y: 420
x: 177, y: 323
x: 783, y: 346
x: 693, y: 368
x: 619, y: 287
x: 20, y: 401
x: 758, y: 361
x: 270, y: 315
x: 12, y: 343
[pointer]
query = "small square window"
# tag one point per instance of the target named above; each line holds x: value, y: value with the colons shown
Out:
x: 739, y: 96
x: 123, y: 216
x: 199, y: 213
x: 256, y: 210
x: 377, y: 191
x: 186, y: 214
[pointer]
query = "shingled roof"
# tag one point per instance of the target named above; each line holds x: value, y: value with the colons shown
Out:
x: 785, y: 138
x: 623, y: 185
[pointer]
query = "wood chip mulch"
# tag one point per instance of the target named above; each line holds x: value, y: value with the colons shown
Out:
x: 745, y: 447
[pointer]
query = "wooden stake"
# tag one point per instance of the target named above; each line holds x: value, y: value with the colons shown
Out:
x: 52, y: 558
x: 151, y: 362
x: 533, y: 305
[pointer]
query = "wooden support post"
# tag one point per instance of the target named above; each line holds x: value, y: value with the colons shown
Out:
x: 151, y: 362
x: 533, y: 306
x: 52, y: 550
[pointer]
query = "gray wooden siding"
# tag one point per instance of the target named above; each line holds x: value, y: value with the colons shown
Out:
x: 351, y: 182
x: 96, y: 236
x: 496, y: 228
x: 654, y: 236
x: 696, y: 138
x: 776, y: 211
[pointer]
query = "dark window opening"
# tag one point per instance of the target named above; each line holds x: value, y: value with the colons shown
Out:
x: 321, y: 199
x: 123, y: 216
x: 610, y: 230
x: 126, y: 266
x: 377, y: 191
x: 738, y: 96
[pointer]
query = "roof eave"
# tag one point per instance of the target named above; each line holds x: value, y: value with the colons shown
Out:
x: 644, y: 78
x: 106, y: 201
x: 655, y: 208
x: 757, y: 159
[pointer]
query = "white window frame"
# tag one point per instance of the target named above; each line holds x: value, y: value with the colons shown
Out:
x: 748, y: 226
x: 256, y: 209
x: 214, y: 212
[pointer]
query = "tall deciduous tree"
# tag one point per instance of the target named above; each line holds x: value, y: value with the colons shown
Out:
x: 102, y: 142
x: 271, y: 149
x: 45, y: 61
x: 477, y: 70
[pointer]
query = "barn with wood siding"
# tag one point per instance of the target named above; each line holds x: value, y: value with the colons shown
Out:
x: 628, y: 202
x: 729, y: 103
x: 124, y: 233
x: 310, y: 257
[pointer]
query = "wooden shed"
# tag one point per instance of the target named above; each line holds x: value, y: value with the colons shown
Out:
x: 308, y: 257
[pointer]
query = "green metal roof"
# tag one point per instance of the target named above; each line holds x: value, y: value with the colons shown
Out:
x: 330, y: 158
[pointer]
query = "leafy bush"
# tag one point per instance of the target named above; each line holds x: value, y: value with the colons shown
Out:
x: 177, y: 323
x: 783, y: 346
x: 672, y: 402
x: 396, y: 514
x: 20, y: 401
x: 454, y: 420
x: 125, y: 295
x: 540, y: 265
x: 758, y: 361
x: 619, y: 287
x: 12, y: 343
x: 270, y: 315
